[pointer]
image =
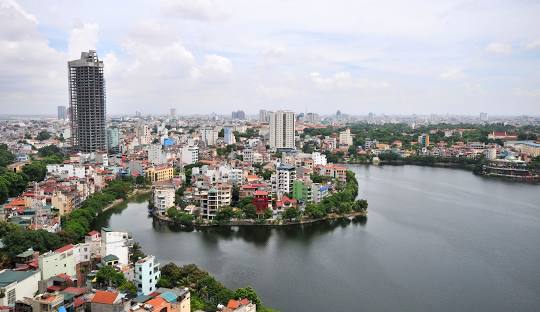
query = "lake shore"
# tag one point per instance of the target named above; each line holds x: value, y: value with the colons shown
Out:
x: 271, y: 223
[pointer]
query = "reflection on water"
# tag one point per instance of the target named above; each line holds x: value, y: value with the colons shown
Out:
x: 437, y: 240
x: 260, y: 234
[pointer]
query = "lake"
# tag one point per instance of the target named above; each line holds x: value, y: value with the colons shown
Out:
x: 436, y: 239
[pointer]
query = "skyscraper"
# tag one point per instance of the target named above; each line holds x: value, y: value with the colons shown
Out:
x: 62, y: 113
x: 282, y: 125
x: 238, y: 115
x: 87, y: 103
x: 228, y: 135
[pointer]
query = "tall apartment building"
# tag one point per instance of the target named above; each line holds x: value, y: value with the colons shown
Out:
x: 190, y: 155
x: 163, y: 196
x: 283, y: 180
x: 113, y: 139
x: 215, y: 198
x: 87, y: 103
x: 282, y: 125
x: 228, y: 135
x: 147, y: 274
x: 209, y: 135
x: 62, y: 112
x: 264, y: 115
x: 345, y: 138
x: 115, y: 243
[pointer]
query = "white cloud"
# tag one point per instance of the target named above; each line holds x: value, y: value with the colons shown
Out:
x: 533, y: 93
x: 82, y: 38
x: 452, y: 74
x: 345, y: 81
x: 203, y: 10
x: 533, y: 45
x: 7, y: 4
x: 499, y: 48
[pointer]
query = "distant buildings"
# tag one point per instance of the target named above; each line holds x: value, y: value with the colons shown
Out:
x: 62, y: 113
x: 87, y: 103
x: 502, y: 135
x: 264, y: 115
x: 282, y: 127
x: 240, y: 115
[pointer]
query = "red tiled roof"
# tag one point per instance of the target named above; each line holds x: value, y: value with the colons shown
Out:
x: 233, y: 304
x: 105, y: 297
x: 260, y: 193
x: 77, y: 291
x: 78, y: 302
x: 65, y: 248
x: 92, y: 233
x: 244, y: 301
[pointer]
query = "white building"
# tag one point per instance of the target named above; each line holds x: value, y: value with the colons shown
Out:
x: 209, y: 136
x: 16, y: 285
x: 60, y: 261
x: 115, y: 243
x: 282, y: 125
x: 190, y: 155
x: 283, y: 179
x: 147, y: 274
x: 214, y: 199
x: 345, y: 138
x: 163, y: 197
x: 155, y: 154
x: 247, y: 155
x: 66, y: 171
x: 318, y: 159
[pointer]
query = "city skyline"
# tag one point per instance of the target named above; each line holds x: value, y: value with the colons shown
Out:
x: 393, y: 58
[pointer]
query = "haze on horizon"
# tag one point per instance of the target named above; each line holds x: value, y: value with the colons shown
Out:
x: 203, y: 56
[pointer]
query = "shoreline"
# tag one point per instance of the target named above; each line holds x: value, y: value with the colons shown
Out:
x: 119, y: 201
x: 466, y: 167
x: 270, y: 223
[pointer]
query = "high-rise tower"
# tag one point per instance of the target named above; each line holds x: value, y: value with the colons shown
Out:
x: 87, y: 103
x: 282, y: 124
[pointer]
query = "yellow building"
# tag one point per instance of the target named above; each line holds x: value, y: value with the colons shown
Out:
x: 159, y: 173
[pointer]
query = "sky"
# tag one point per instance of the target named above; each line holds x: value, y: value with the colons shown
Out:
x: 204, y: 56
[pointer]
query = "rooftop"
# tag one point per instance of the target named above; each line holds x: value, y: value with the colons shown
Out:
x: 8, y: 277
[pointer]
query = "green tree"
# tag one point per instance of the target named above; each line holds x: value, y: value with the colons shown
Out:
x: 291, y: 213
x: 224, y: 214
x: 6, y: 157
x: 136, y: 253
x: 107, y: 276
x: 250, y: 211
x: 249, y: 293
x: 35, y: 171
x: 43, y: 135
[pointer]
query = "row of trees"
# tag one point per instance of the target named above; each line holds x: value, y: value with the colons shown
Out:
x: 80, y: 221
x: 206, y: 291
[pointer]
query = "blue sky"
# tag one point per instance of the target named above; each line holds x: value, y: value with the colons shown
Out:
x: 203, y: 56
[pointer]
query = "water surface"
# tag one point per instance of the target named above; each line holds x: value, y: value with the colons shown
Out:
x: 436, y: 240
